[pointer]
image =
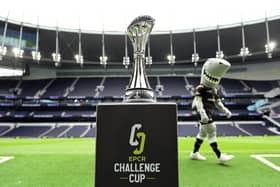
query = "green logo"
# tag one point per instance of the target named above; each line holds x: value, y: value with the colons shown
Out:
x: 137, y: 138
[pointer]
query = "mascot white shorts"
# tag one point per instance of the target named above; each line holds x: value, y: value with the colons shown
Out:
x: 207, y: 130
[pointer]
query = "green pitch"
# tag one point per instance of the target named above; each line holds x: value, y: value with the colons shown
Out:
x: 70, y: 163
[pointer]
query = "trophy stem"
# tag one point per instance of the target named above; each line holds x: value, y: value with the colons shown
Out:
x: 139, y: 88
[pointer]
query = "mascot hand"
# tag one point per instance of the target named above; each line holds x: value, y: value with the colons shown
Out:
x: 228, y: 113
x: 204, y: 117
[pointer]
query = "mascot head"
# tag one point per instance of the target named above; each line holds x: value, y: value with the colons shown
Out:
x: 212, y: 71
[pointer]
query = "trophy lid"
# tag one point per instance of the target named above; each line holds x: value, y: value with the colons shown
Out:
x: 138, y: 32
x: 141, y: 19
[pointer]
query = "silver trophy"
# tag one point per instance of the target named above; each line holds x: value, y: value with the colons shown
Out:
x: 138, y: 32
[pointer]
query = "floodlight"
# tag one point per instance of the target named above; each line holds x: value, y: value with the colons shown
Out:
x: 244, y: 51
x: 36, y: 55
x: 18, y: 53
x: 149, y: 60
x: 195, y: 57
x: 3, y: 51
x: 171, y: 59
x: 269, y: 48
x: 79, y: 59
x: 126, y: 61
x: 56, y: 58
x: 103, y: 60
x: 219, y: 54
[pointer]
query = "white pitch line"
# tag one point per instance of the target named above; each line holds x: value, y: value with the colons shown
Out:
x: 267, y: 162
x: 5, y: 158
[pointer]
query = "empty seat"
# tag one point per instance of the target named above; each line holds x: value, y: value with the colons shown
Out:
x: 85, y: 87
x: 114, y: 86
x: 26, y: 131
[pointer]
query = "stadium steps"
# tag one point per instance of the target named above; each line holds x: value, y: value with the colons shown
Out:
x: 273, y: 121
x: 92, y: 132
x: 85, y: 132
x: 7, y: 131
x: 71, y: 88
x: 46, y: 132
x: 43, y: 91
x: 56, y: 131
x: 159, y: 87
x: 99, y: 88
x: 246, y: 87
x: 64, y: 132
x: 256, y: 128
x: 274, y: 130
x: 188, y: 86
x: 76, y: 131
x: 17, y: 88
x: 243, y: 130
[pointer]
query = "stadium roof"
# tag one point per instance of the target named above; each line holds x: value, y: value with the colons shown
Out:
x: 112, y: 15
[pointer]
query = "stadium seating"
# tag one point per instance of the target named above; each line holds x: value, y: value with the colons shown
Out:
x: 31, y: 87
x: 229, y: 130
x: 174, y: 86
x: 114, y: 87
x: 187, y: 130
x: 3, y: 128
x: 224, y: 128
x: 8, y: 87
x: 91, y: 133
x: 256, y: 129
x: 262, y: 86
x: 76, y: 131
x: 26, y: 131
x: 85, y: 87
x: 194, y: 81
x: 58, y: 87
x: 233, y: 86
x: 55, y: 132
x: 75, y: 99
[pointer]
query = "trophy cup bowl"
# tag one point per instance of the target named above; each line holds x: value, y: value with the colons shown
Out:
x: 139, y: 89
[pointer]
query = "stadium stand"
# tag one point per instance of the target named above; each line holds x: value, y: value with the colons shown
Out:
x: 174, y: 86
x: 187, y: 130
x: 114, y: 87
x: 76, y: 131
x: 3, y: 128
x: 233, y: 86
x: 229, y: 130
x: 55, y: 132
x: 194, y: 81
x: 58, y: 87
x: 8, y: 87
x: 262, y: 86
x: 257, y: 129
x: 31, y: 87
x: 224, y: 128
x: 85, y: 87
x: 27, y: 131
x: 91, y: 132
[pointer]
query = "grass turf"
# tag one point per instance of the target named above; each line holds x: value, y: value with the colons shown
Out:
x: 70, y: 163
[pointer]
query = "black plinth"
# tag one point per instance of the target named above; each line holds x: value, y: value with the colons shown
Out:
x: 136, y: 145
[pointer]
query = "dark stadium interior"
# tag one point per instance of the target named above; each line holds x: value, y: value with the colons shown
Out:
x: 50, y: 101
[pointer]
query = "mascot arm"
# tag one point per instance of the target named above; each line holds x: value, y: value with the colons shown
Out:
x: 198, y: 105
x: 220, y: 106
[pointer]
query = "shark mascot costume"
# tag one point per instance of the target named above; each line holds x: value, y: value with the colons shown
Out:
x: 205, y: 102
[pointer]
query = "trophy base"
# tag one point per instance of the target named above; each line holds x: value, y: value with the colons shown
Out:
x: 139, y: 95
x: 114, y: 166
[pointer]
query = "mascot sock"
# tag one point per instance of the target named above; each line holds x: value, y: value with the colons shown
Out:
x: 214, y: 146
x: 197, y: 145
